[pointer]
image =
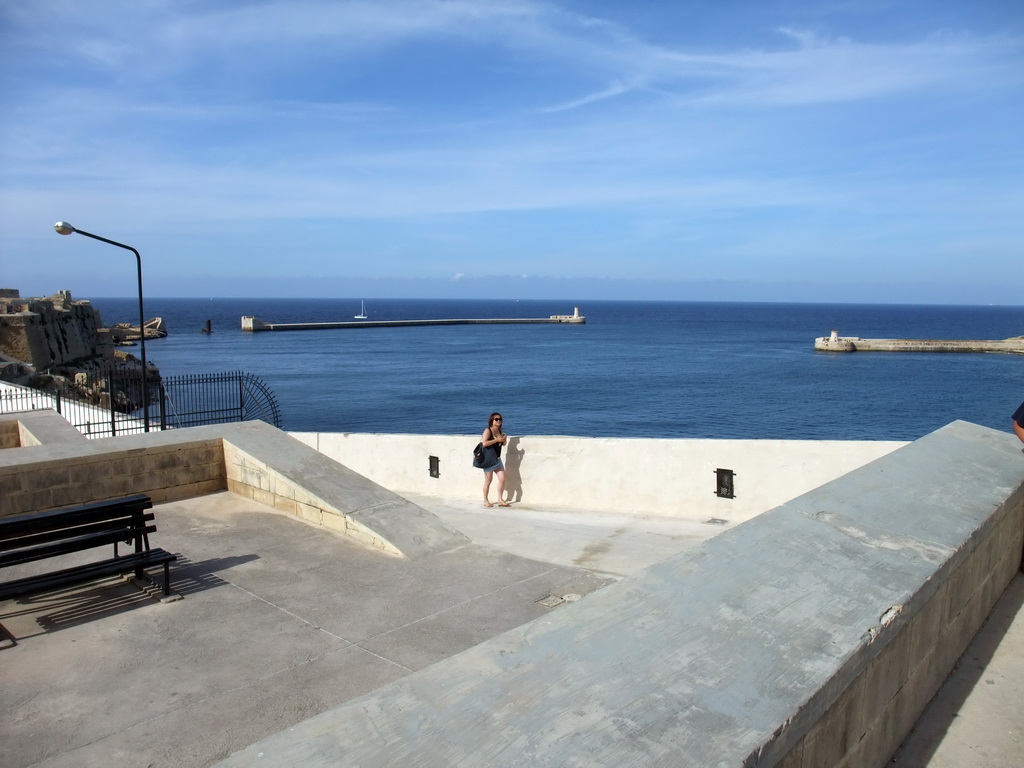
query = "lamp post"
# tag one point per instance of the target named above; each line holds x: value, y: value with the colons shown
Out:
x: 63, y: 228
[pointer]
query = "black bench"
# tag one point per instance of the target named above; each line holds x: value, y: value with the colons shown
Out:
x: 40, y: 535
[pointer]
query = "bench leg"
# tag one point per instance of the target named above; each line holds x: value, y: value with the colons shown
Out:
x: 167, y: 578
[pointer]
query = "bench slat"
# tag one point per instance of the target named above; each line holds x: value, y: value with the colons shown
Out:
x: 54, y: 518
x: 83, y: 573
x: 31, y: 538
x: 72, y: 544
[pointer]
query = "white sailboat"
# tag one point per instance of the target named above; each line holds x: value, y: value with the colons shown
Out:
x: 362, y: 311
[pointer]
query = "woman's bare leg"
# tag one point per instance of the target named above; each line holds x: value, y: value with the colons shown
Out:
x: 487, y: 487
x: 501, y: 489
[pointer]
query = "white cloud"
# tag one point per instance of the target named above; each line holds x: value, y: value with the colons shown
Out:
x: 616, y: 88
x: 817, y: 70
x: 141, y: 41
x: 177, y: 114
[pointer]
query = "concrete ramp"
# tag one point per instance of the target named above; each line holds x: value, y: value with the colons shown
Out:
x: 271, y: 467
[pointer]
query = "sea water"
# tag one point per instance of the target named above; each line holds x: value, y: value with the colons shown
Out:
x: 635, y: 369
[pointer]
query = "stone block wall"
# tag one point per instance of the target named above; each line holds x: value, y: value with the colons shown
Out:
x: 165, y: 473
x: 10, y: 435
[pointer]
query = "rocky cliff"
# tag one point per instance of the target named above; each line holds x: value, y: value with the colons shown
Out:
x: 56, y: 340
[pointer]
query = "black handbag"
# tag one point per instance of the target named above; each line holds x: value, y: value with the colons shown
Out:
x: 479, y: 456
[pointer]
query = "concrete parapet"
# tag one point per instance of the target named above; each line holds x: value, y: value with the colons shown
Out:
x: 36, y: 428
x: 253, y: 459
x: 813, y: 635
x: 643, y: 476
x: 41, y: 427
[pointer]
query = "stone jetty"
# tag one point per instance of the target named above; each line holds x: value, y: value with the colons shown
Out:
x: 254, y: 324
x: 837, y: 343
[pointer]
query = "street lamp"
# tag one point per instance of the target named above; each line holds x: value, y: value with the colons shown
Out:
x: 63, y: 228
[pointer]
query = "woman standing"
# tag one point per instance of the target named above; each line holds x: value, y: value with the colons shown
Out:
x: 492, y: 440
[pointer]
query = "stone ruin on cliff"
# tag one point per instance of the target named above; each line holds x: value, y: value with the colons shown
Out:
x: 59, y: 343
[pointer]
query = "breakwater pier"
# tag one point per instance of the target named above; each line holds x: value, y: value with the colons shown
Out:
x: 254, y: 324
x: 837, y: 343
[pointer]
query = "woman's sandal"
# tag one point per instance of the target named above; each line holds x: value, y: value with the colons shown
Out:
x: 504, y: 504
x: 488, y: 504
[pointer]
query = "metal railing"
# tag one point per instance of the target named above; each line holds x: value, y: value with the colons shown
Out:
x: 174, y: 401
x: 216, y: 398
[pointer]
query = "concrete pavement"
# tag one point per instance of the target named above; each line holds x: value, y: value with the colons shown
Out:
x: 602, y: 541
x: 281, y: 621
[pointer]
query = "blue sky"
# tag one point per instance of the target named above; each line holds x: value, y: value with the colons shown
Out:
x: 773, y: 151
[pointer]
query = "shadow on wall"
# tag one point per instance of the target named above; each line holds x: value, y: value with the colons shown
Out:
x: 513, y: 474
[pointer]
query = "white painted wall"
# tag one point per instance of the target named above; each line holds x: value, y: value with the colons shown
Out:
x: 643, y: 476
